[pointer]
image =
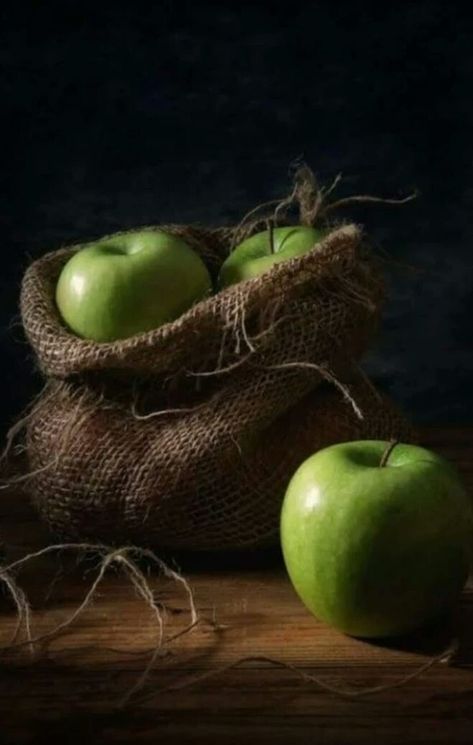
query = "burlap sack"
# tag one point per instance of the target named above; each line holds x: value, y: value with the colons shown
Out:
x: 186, y: 436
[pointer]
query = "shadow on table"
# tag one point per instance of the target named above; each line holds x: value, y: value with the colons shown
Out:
x: 429, y: 640
x: 223, y: 561
x: 439, y: 635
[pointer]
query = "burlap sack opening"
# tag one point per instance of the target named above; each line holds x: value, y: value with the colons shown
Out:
x: 186, y: 436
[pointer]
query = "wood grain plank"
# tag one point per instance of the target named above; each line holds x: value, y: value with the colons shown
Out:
x: 72, y: 688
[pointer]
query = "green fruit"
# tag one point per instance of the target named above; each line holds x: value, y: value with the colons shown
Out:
x: 254, y: 256
x: 376, y: 551
x: 129, y: 283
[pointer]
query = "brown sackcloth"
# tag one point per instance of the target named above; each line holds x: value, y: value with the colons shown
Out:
x: 186, y: 436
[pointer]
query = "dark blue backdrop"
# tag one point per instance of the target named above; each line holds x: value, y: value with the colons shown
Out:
x: 191, y: 111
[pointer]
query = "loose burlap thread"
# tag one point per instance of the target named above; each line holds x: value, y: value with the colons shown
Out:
x: 126, y: 558
x: 186, y: 436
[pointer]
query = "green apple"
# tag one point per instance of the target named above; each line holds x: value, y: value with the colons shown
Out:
x: 259, y: 253
x: 129, y: 283
x: 376, y: 551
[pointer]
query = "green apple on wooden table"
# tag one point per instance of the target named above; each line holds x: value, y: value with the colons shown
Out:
x: 130, y: 283
x: 259, y: 253
x: 376, y: 547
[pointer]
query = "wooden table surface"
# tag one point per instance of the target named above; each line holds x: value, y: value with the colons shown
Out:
x: 73, y: 686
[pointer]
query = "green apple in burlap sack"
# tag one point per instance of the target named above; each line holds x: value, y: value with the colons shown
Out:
x: 259, y: 253
x: 130, y: 283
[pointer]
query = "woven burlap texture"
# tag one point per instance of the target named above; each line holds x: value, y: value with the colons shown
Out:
x: 186, y: 436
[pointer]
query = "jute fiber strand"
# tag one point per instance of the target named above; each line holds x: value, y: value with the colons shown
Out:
x: 186, y: 436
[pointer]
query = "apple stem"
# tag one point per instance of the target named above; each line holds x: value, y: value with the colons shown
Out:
x: 270, y: 224
x: 390, y: 447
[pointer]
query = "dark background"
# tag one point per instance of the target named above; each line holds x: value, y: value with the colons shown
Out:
x: 195, y: 111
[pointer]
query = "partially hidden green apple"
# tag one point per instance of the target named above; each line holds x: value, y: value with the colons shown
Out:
x: 376, y: 551
x: 259, y: 253
x: 129, y: 283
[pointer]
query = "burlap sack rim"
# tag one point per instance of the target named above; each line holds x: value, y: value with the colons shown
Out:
x: 338, y: 246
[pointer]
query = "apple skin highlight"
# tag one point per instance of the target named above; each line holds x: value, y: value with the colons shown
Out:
x: 376, y: 552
